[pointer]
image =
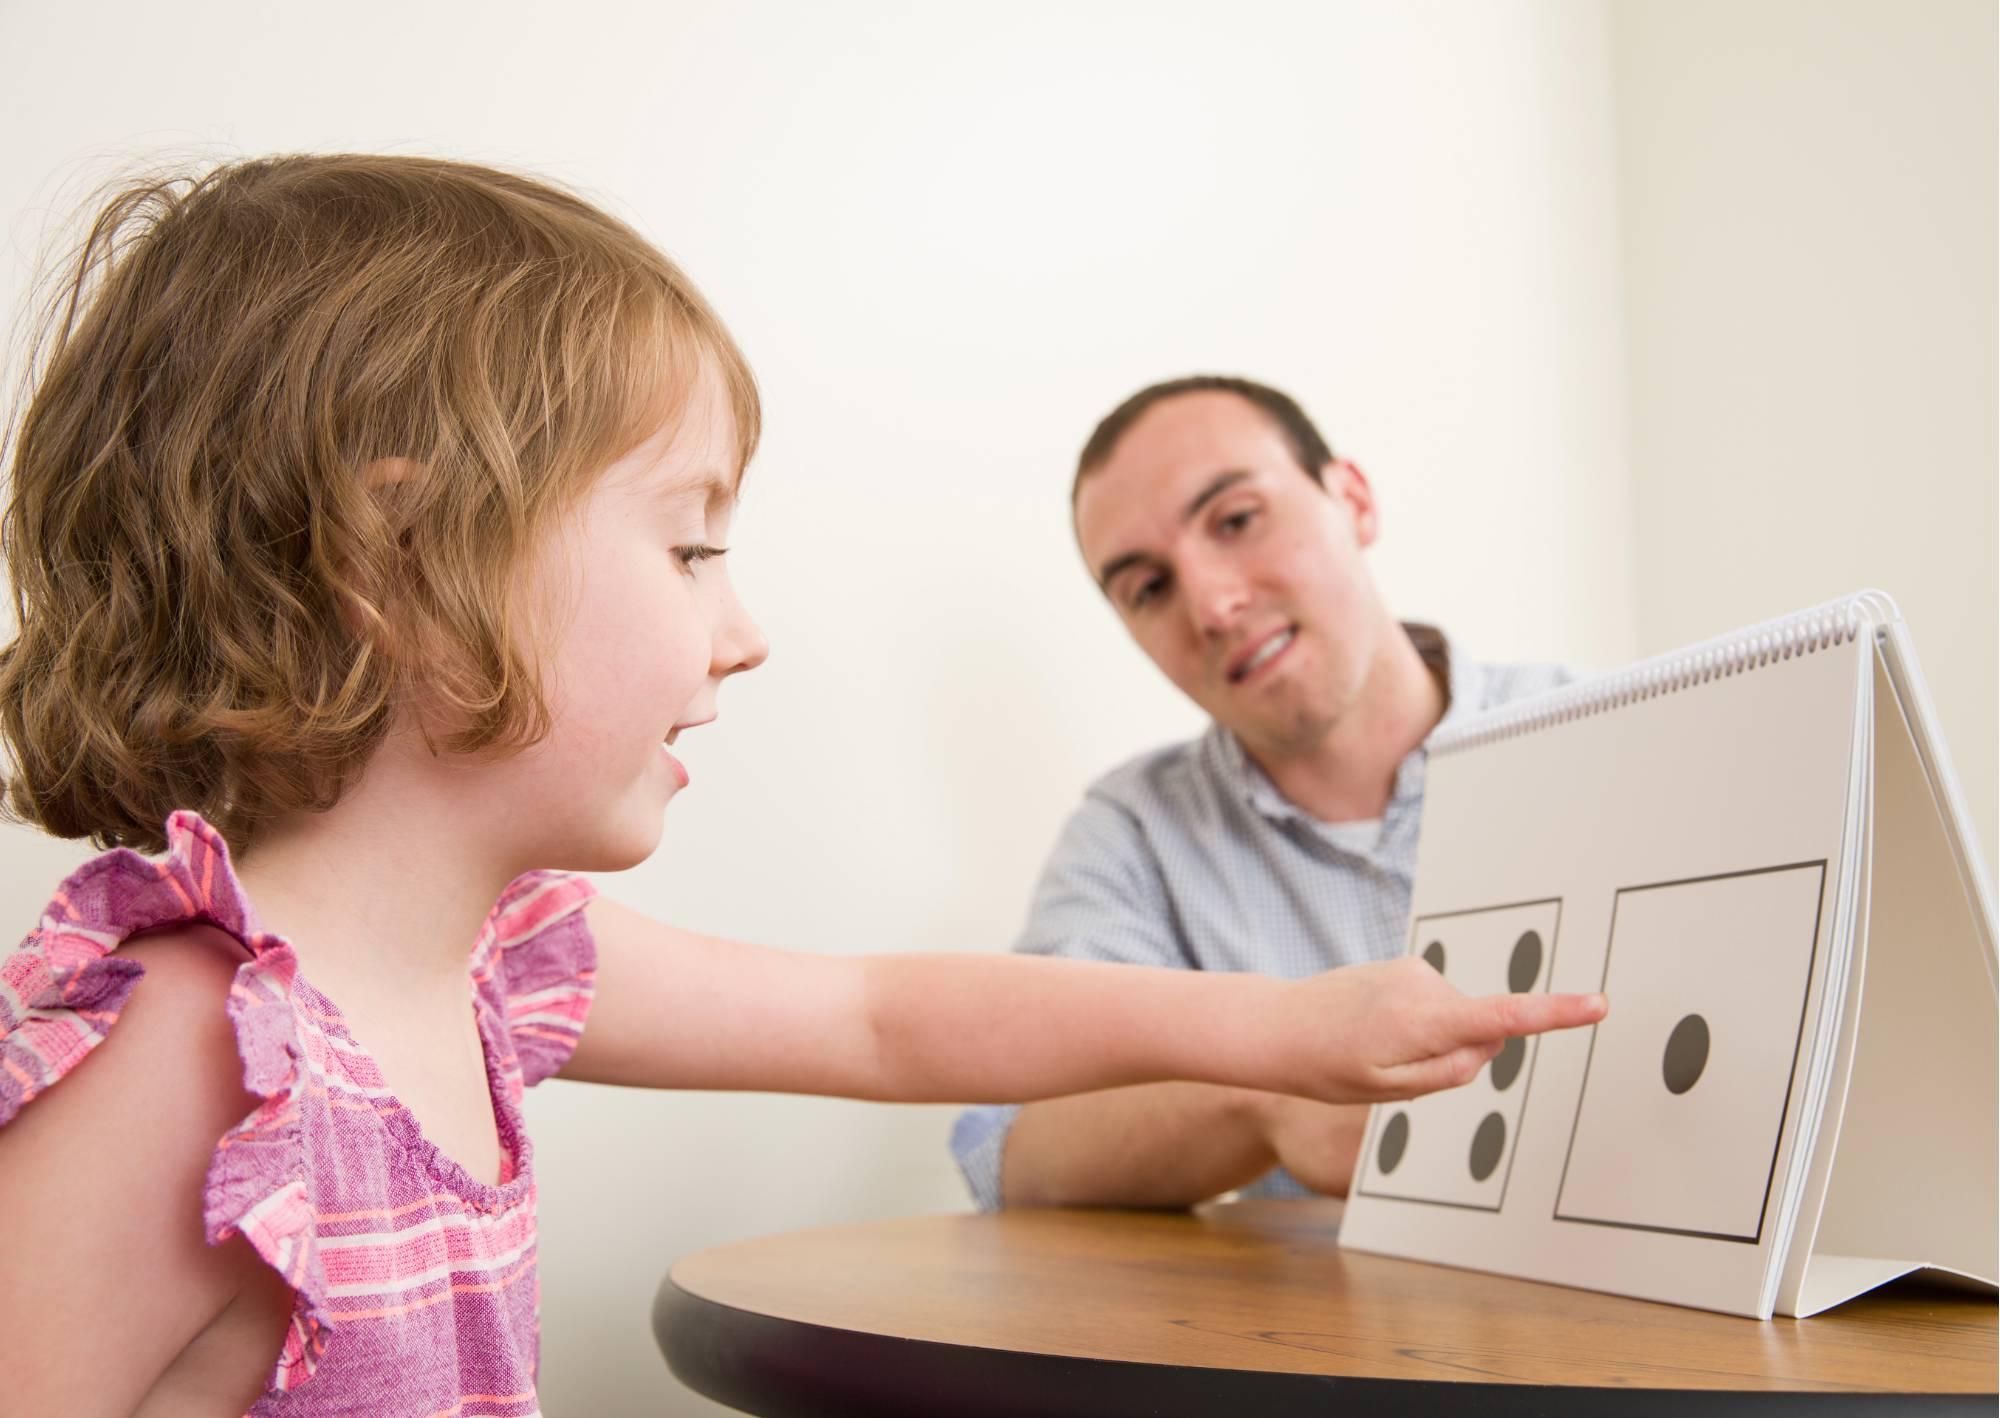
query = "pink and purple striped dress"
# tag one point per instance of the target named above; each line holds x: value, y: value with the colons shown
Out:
x: 414, y: 1282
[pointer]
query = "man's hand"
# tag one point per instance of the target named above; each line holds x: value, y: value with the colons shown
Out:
x: 1174, y: 1144
x: 1361, y: 1032
x: 1318, y: 1143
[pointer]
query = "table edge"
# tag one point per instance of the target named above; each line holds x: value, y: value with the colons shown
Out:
x: 785, y: 1368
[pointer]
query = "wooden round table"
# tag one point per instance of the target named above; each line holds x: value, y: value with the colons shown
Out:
x: 1252, y: 1309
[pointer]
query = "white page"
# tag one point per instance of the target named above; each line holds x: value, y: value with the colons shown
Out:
x: 1913, y: 1182
x: 1743, y: 774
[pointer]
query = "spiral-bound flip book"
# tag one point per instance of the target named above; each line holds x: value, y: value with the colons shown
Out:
x: 1757, y: 849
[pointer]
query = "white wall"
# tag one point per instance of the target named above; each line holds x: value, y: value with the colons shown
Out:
x: 949, y: 238
x: 1808, y: 194
x: 949, y: 243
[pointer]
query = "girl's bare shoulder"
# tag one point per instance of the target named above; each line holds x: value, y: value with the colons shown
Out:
x: 101, y: 1179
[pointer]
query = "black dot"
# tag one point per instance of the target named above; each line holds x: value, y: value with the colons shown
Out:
x: 1395, y: 1137
x: 1526, y: 965
x: 1687, y: 1054
x: 1507, y: 1063
x: 1486, y: 1146
x: 1434, y: 956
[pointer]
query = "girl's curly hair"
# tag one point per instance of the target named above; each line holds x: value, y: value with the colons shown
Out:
x: 219, y: 601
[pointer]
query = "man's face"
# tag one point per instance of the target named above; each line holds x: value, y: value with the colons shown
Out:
x: 1240, y: 576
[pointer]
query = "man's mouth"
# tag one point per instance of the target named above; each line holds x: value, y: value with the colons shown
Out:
x: 1266, y: 651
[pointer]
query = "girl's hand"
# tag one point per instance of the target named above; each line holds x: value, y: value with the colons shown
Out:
x: 1371, y: 1033
x: 680, y: 1010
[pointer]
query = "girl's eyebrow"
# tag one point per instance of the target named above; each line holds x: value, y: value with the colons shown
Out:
x: 712, y: 488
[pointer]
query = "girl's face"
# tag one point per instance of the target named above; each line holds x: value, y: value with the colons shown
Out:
x: 634, y: 598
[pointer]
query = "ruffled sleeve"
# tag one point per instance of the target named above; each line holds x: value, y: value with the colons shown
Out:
x: 259, y: 1180
x: 63, y: 990
x: 542, y: 962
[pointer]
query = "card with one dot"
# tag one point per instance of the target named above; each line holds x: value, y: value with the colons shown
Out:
x: 1686, y: 1087
x: 1455, y: 1148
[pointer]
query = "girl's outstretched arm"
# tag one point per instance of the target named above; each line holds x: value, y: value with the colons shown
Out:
x: 680, y: 1010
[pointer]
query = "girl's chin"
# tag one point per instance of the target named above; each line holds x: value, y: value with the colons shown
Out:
x: 624, y: 835
x: 628, y: 850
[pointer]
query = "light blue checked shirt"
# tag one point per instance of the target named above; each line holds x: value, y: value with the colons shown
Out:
x: 1189, y: 856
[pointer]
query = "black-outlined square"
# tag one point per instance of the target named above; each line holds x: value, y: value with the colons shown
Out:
x: 1688, y: 1081
x: 1432, y: 1150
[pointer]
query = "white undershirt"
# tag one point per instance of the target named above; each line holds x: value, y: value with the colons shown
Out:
x: 1357, y: 838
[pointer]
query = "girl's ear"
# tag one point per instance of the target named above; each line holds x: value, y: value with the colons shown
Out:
x: 388, y: 472
x: 373, y: 577
x: 365, y: 571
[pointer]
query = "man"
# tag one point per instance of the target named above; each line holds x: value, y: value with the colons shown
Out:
x: 1229, y: 540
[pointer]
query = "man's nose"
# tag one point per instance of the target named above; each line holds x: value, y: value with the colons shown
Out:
x: 1215, y: 597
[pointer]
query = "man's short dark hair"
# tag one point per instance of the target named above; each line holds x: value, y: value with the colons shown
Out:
x: 1307, y: 446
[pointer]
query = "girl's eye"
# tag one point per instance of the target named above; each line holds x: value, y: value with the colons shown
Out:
x: 689, y: 555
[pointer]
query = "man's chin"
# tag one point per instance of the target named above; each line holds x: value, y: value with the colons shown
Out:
x: 1296, y: 735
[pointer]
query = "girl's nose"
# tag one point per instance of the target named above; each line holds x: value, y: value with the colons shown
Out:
x: 741, y: 644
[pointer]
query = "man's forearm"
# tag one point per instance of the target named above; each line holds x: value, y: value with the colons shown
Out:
x: 1155, y: 1144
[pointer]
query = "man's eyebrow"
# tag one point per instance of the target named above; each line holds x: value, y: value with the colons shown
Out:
x: 1111, y: 568
x: 1215, y: 487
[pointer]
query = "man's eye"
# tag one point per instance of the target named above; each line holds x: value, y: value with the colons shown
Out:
x: 1235, y: 521
x: 1148, y: 591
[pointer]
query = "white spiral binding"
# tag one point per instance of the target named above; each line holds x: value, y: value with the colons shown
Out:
x: 1801, y: 633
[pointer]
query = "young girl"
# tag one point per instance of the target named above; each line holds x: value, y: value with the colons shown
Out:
x: 366, y: 530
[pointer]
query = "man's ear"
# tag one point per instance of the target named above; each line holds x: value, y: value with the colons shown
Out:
x: 1348, y: 485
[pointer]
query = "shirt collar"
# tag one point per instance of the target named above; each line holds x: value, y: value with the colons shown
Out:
x: 1464, y: 690
x: 1465, y: 682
